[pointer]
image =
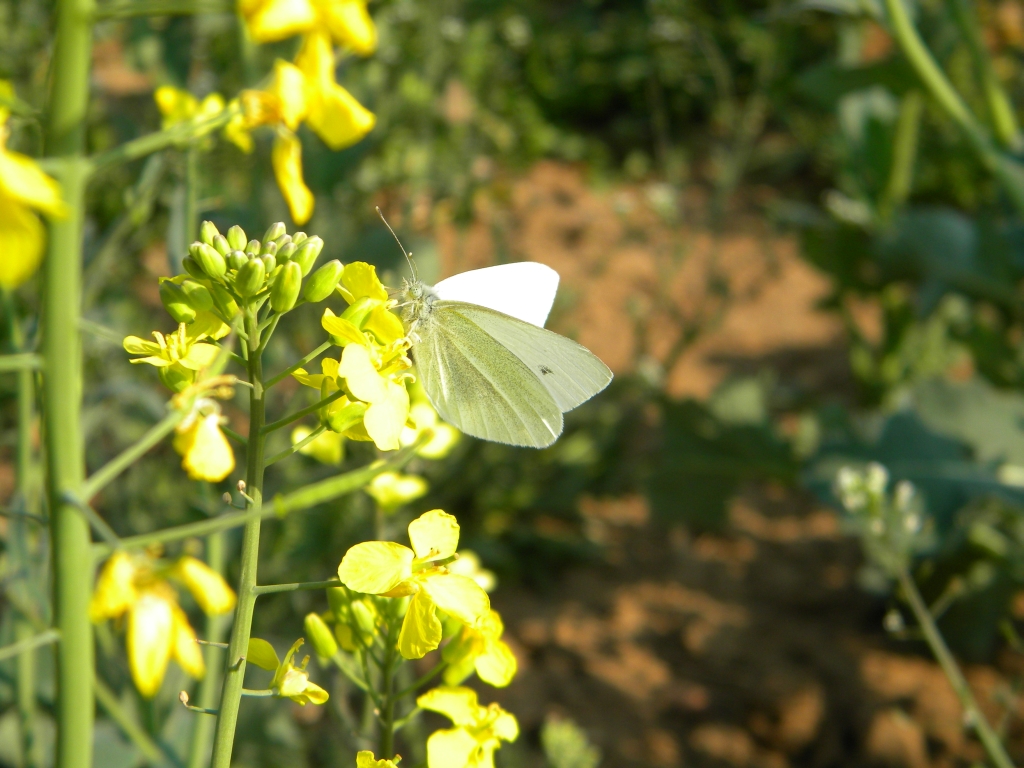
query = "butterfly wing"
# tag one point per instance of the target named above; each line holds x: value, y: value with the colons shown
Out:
x: 480, y: 387
x: 570, y: 372
x: 524, y: 290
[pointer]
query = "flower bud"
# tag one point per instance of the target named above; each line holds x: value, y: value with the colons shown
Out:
x: 192, y: 267
x: 322, y: 283
x: 286, y: 253
x: 223, y: 301
x: 213, y: 263
x: 176, y: 302
x: 320, y: 636
x: 274, y: 231
x: 236, y: 238
x: 221, y: 244
x: 207, y: 232
x: 269, y: 263
x: 285, y: 292
x: 237, y: 260
x: 337, y: 601
x: 269, y: 248
x: 364, y: 617
x: 249, y: 279
x: 198, y: 296
x: 307, y: 253
x: 176, y: 377
x: 282, y: 241
x: 298, y: 237
x: 252, y: 248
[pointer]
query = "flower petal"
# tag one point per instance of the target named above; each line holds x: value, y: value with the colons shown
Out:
x: 21, y: 243
x: 497, y: 664
x: 343, y: 331
x: 458, y: 596
x: 506, y: 727
x: 338, y: 118
x: 186, y: 650
x: 286, y: 157
x: 452, y: 748
x: 115, y: 588
x: 150, y: 638
x: 200, y: 356
x: 375, y: 567
x: 207, y: 586
x: 206, y: 451
x: 363, y: 380
x: 384, y: 324
x: 351, y: 26
x: 272, y: 20
x: 23, y: 181
x: 360, y: 280
x: 459, y: 705
x: 385, y: 420
x: 421, y: 629
x: 434, y: 535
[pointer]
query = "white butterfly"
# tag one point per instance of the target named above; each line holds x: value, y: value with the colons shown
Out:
x: 485, y: 360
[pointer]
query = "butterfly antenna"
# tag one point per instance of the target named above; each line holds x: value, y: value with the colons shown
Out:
x: 408, y: 256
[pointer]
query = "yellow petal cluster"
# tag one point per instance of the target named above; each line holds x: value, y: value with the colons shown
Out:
x: 393, y: 570
x: 478, y: 730
x: 289, y: 681
x: 157, y: 628
x: 25, y: 192
x: 374, y: 365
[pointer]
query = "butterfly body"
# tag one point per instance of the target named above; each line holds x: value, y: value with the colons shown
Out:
x: 486, y: 362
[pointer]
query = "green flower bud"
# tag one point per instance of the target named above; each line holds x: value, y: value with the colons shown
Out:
x: 358, y: 312
x: 320, y: 637
x: 213, y: 263
x: 252, y: 248
x: 207, y: 232
x: 192, y: 267
x: 176, y: 302
x: 285, y: 292
x: 221, y: 244
x: 298, y: 237
x: 223, y: 301
x: 176, y: 377
x: 337, y: 601
x: 286, y: 253
x: 322, y: 283
x: 274, y: 231
x: 199, y: 297
x: 363, y: 616
x: 237, y: 260
x: 269, y: 262
x: 307, y: 253
x: 282, y: 241
x: 236, y: 238
x: 249, y: 280
x: 269, y: 247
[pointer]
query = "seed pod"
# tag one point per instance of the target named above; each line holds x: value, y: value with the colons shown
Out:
x: 252, y: 248
x: 269, y: 247
x: 322, y: 283
x: 299, y: 237
x: 221, y: 244
x: 320, y: 636
x: 237, y: 260
x: 192, y: 267
x: 223, y: 301
x: 307, y: 253
x: 269, y: 263
x: 213, y: 263
x: 286, y: 253
x: 274, y: 231
x: 249, y: 279
x: 236, y: 238
x: 285, y: 292
x: 207, y: 232
x: 199, y: 298
x: 176, y: 302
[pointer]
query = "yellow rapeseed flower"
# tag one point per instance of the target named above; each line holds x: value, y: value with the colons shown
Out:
x: 480, y: 647
x: 289, y: 681
x: 157, y: 629
x: 393, y: 570
x: 478, y: 730
x: 25, y: 191
x: 179, y: 356
x: 206, y: 453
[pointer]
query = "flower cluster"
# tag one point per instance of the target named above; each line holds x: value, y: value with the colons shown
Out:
x: 25, y: 191
x: 157, y: 628
x: 477, y: 733
x: 374, y: 366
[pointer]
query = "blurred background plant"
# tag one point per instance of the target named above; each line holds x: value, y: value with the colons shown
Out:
x: 678, y: 162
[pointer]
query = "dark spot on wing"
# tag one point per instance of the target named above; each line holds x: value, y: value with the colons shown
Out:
x: 545, y: 370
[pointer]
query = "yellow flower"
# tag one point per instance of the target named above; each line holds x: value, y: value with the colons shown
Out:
x: 24, y: 191
x: 348, y: 21
x: 392, y: 570
x: 365, y: 759
x: 179, y: 356
x: 478, y: 730
x: 157, y: 629
x: 206, y: 453
x: 480, y: 647
x: 327, y: 447
x: 289, y: 681
x: 177, y: 105
x: 392, y: 490
x: 331, y: 111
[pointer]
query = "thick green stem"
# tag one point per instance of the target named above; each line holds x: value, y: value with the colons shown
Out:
x: 216, y: 629
x: 232, y: 691
x: 972, y: 713
x: 62, y: 367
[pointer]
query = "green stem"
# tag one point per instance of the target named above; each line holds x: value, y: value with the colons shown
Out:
x: 25, y: 361
x: 292, y: 368
x: 30, y: 747
x: 98, y: 480
x: 43, y: 638
x: 297, y: 446
x: 231, y: 694
x: 904, y: 155
x: 272, y: 589
x: 96, y: 522
x: 423, y: 680
x: 323, y: 403
x: 972, y: 714
x: 387, y: 715
x: 151, y: 751
x: 154, y: 142
x: 62, y: 354
x: 216, y: 630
